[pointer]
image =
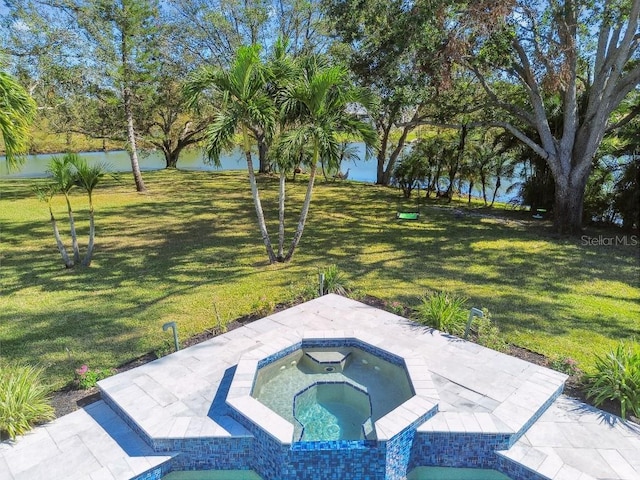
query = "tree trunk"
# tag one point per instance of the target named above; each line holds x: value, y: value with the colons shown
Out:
x: 483, y: 180
x: 92, y: 235
x: 133, y: 149
x: 281, y: 199
x: 171, y: 157
x: 436, y: 180
x: 495, y: 191
x: 384, y: 173
x: 68, y: 263
x: 74, y: 236
x: 256, y: 198
x: 265, y: 166
x: 568, y: 205
x: 382, y: 156
x: 393, y: 158
x: 454, y: 169
x: 304, y: 212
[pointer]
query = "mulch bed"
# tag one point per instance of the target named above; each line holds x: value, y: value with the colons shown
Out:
x: 69, y: 399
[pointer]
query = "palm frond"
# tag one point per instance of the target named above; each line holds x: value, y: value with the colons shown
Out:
x: 87, y: 177
x: 291, y: 148
x: 247, y: 75
x: 17, y: 111
x: 262, y: 112
x: 199, y: 81
x: 62, y: 172
x: 44, y: 193
x: 218, y: 136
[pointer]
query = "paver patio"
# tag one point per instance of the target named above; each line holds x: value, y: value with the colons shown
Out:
x: 182, y: 396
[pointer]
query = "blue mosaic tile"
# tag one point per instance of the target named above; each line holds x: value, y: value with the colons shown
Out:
x: 155, y: 473
x: 278, y: 355
x: 516, y: 470
x: 463, y: 450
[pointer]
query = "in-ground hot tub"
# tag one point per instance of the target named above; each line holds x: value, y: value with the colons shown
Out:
x: 330, y: 390
x: 333, y: 393
x: 329, y: 404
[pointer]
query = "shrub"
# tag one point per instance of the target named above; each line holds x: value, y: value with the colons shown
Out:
x: 565, y: 365
x: 263, y: 306
x: 87, y: 378
x: 617, y: 378
x: 396, y: 307
x: 488, y: 333
x: 443, y: 311
x: 24, y: 400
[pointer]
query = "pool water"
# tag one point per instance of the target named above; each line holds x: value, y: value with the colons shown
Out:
x: 447, y: 473
x: 331, y: 411
x: 330, y: 421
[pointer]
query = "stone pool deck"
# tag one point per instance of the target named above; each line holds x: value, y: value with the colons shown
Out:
x: 179, y: 398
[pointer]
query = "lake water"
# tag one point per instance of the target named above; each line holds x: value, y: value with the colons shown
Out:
x: 35, y: 166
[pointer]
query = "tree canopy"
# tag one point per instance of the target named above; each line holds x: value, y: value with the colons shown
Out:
x: 558, y: 76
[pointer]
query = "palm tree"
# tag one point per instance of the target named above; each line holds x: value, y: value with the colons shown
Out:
x: 66, y: 173
x: 87, y: 178
x: 318, y: 100
x: 244, y: 105
x: 62, y: 171
x: 285, y: 71
x: 17, y: 111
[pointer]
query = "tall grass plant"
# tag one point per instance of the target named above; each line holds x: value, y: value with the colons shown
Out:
x: 23, y: 399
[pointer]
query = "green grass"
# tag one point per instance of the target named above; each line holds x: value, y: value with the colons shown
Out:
x: 193, y: 242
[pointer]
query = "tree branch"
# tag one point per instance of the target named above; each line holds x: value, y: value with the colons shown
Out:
x: 541, y: 122
x: 626, y: 84
x: 513, y: 109
x: 624, y: 120
x: 524, y: 138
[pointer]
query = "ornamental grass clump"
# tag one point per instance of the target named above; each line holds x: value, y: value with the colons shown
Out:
x: 24, y: 400
x: 444, y: 311
x: 334, y: 281
x: 617, y: 378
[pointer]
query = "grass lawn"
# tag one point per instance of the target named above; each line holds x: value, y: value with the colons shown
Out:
x: 191, y: 248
